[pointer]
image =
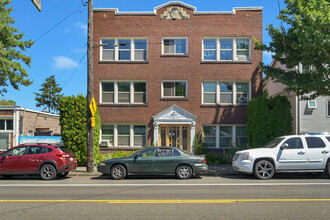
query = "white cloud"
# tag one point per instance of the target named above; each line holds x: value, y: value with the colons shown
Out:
x: 82, y: 26
x: 267, y: 57
x: 64, y: 63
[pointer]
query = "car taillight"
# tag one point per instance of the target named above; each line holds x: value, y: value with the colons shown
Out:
x: 204, y: 161
x: 62, y: 155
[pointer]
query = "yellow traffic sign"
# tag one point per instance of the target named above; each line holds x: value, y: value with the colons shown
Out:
x: 93, y: 107
x: 93, y: 121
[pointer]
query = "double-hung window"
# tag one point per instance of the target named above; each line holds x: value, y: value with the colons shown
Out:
x: 226, y: 93
x: 127, y: 92
x: 174, y: 46
x: 6, y: 124
x: 226, y: 49
x: 223, y: 136
x: 132, y: 49
x: 107, y: 134
x: 124, y: 135
x: 174, y: 89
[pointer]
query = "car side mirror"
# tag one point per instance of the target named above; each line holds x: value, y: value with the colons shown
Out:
x: 284, y: 146
x: 136, y: 156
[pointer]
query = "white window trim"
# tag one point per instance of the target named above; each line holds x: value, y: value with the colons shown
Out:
x: 116, y: 92
x: 174, y: 38
x: 217, y: 134
x: 6, y: 127
x: 310, y: 106
x: 174, y: 81
x: 116, y: 48
x: 131, y: 135
x: 234, y: 93
x: 327, y: 109
x: 235, y: 59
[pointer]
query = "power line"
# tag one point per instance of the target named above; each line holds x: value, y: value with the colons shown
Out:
x: 75, y: 69
x: 72, y: 13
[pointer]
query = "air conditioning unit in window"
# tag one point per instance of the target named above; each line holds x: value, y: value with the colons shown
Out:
x: 104, y: 144
x: 242, y: 57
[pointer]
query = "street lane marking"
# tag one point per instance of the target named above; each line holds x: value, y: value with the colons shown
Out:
x: 172, y: 201
x: 164, y: 184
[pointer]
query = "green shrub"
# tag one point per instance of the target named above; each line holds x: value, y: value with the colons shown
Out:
x: 102, y: 157
x: 267, y: 118
x: 73, y: 121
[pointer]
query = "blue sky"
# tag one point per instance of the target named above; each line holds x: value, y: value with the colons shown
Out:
x: 60, y: 35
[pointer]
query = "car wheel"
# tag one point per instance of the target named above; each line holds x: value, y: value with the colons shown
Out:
x: 118, y: 172
x: 48, y: 172
x: 63, y: 174
x: 327, y: 169
x: 183, y: 172
x: 264, y: 170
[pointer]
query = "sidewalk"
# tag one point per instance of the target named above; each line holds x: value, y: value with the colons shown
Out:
x: 214, y: 170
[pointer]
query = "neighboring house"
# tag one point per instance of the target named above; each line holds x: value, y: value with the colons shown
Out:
x: 162, y: 77
x: 312, y: 116
x: 16, y: 122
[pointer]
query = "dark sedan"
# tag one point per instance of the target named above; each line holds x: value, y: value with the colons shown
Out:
x: 155, y: 161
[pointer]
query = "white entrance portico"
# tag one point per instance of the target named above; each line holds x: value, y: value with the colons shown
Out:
x: 175, y: 127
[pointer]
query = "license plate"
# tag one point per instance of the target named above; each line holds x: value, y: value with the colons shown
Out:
x: 71, y: 159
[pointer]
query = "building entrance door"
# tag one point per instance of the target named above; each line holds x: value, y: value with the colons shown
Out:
x: 175, y: 136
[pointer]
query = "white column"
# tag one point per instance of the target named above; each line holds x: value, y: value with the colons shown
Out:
x: 234, y: 135
x: 156, y: 132
x: 131, y: 136
x: 131, y: 92
x: 115, y: 92
x: 192, y: 136
x: 115, y: 136
x: 217, y: 136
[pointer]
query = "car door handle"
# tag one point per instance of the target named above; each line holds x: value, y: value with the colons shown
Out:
x: 325, y: 152
x: 301, y: 153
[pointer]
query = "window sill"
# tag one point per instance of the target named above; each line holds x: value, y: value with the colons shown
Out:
x: 123, y: 62
x: 221, y: 105
x: 174, y: 55
x: 226, y: 62
x: 122, y: 105
x: 174, y: 99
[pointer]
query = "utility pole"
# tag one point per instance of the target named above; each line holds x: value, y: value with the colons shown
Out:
x: 90, y: 90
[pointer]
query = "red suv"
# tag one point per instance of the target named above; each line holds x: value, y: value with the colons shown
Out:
x: 48, y: 161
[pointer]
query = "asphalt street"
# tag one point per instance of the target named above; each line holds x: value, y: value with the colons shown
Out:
x: 159, y: 197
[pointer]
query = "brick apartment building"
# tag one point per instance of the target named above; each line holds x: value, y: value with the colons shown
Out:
x: 162, y: 77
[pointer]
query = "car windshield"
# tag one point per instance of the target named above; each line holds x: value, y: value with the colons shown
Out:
x: 273, y: 143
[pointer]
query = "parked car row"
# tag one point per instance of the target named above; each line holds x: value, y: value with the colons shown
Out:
x: 286, y: 154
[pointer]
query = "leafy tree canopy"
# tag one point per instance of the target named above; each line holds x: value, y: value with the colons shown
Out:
x: 7, y: 102
x: 50, y: 95
x: 11, y: 48
x: 305, y: 41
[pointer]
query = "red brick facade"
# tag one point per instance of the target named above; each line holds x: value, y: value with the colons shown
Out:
x: 242, y: 23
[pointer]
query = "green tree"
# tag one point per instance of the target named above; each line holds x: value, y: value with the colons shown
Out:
x: 11, y: 48
x: 73, y: 121
x: 304, y: 40
x: 50, y: 95
x: 7, y: 102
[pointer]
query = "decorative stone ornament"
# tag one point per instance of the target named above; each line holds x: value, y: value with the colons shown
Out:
x: 174, y: 13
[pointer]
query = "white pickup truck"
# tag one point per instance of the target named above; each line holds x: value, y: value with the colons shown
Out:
x: 292, y: 153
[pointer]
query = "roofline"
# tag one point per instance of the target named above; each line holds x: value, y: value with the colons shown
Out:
x: 117, y: 12
x: 17, y: 108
